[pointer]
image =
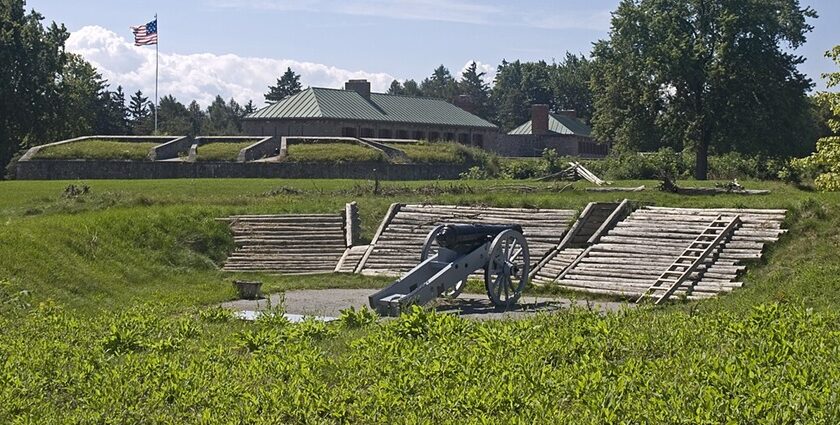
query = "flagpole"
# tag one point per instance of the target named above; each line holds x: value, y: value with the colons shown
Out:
x: 157, y: 27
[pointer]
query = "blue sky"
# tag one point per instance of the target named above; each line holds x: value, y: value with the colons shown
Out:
x: 238, y: 47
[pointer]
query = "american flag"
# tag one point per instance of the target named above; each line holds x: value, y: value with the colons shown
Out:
x: 145, y: 34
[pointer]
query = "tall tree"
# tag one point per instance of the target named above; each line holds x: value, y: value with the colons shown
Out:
x: 288, y: 84
x: 174, y: 118
x: 81, y: 90
x: 570, y: 85
x: 709, y: 75
x: 507, y: 96
x: 197, y: 120
x: 112, y: 116
x: 411, y: 88
x: 396, y: 88
x: 249, y: 108
x: 32, y: 59
x: 440, y: 85
x: 138, y: 107
x: 472, y: 84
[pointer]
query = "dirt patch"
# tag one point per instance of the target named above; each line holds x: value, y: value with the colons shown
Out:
x: 330, y: 302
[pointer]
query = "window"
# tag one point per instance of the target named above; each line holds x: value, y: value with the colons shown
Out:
x: 464, y: 138
x: 478, y: 140
x: 419, y: 135
x: 449, y: 137
x: 402, y: 134
x: 434, y: 136
x: 366, y: 132
x: 384, y: 133
x: 348, y: 132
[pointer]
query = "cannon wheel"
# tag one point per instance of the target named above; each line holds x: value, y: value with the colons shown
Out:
x: 507, y: 269
x: 430, y: 247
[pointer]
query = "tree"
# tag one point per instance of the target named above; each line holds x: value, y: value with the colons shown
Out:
x: 472, y: 84
x: 112, y: 116
x: 570, y: 85
x: 411, y: 88
x: 826, y: 160
x: 249, y: 108
x: 288, y: 84
x: 440, y: 85
x: 81, y: 109
x: 396, y: 88
x: 138, y: 107
x: 507, y: 96
x: 175, y: 119
x: 706, y: 75
x: 32, y: 59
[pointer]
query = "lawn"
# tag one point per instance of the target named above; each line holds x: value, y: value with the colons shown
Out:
x: 221, y: 151
x: 98, y: 149
x: 105, y: 302
x: 331, y: 152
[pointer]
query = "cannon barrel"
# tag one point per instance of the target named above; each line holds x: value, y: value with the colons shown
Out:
x: 465, y: 237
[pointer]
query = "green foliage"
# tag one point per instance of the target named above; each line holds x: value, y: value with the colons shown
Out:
x: 98, y: 149
x: 711, y: 78
x: 826, y: 160
x: 221, y: 151
x: 287, y: 85
x: 445, y: 152
x: 352, y: 318
x: 332, y: 153
x: 773, y: 363
x: 440, y: 85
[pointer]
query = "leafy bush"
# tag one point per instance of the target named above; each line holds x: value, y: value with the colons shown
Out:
x: 825, y: 163
x: 362, y: 317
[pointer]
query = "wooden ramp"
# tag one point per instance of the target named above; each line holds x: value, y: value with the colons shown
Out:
x: 637, y: 255
x: 396, y: 247
x: 594, y: 220
x: 287, y: 243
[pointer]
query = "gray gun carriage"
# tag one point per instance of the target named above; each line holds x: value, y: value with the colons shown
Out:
x: 451, y: 253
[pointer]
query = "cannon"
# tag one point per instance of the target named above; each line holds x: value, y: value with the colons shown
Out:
x: 451, y: 253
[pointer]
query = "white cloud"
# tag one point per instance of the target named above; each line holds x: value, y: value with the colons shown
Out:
x: 200, y: 76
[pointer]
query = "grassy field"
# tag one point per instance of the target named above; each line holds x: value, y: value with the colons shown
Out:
x: 425, y: 152
x: 331, y: 152
x: 221, y: 151
x: 106, y: 305
x: 98, y: 149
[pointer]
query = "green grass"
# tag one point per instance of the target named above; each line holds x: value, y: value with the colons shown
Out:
x: 118, y: 329
x: 221, y: 151
x: 331, y: 153
x: 445, y: 152
x: 98, y: 149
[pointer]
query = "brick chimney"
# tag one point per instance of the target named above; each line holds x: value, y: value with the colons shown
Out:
x: 539, y: 119
x: 465, y: 102
x: 571, y: 113
x: 359, y: 86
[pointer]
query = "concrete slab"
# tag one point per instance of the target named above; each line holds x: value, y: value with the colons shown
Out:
x: 330, y: 302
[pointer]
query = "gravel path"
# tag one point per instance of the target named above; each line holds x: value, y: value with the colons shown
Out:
x: 330, y: 302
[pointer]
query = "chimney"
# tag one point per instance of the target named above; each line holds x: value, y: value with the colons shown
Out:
x: 539, y: 119
x: 359, y: 86
x: 465, y: 102
x: 571, y: 113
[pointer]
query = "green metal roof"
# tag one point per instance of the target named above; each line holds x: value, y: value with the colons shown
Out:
x: 316, y: 102
x: 560, y: 124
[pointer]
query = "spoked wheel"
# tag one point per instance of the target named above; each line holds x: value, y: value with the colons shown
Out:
x: 430, y: 248
x: 507, y: 269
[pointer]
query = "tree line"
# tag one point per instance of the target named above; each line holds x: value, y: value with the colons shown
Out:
x: 692, y: 75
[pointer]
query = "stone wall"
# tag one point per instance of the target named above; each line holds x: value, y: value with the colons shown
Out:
x: 84, y: 169
x: 530, y: 145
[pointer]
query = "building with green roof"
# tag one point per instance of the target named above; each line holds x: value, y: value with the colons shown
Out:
x: 561, y: 131
x: 356, y: 112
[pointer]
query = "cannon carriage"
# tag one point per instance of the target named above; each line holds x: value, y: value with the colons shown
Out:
x: 450, y: 254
